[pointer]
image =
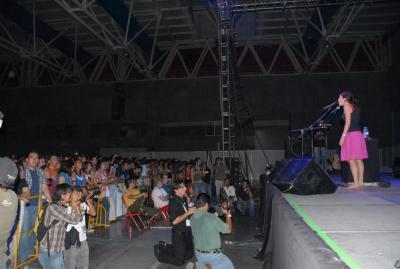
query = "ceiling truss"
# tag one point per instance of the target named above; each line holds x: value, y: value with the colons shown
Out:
x: 189, y: 50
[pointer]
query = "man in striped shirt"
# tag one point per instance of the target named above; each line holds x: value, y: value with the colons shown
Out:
x: 64, y: 210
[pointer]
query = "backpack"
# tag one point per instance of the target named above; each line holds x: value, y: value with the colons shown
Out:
x: 41, y: 230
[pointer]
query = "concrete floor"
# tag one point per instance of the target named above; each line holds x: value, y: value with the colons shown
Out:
x: 365, y: 224
x: 112, y: 248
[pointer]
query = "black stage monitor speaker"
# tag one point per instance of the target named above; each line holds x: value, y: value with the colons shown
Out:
x: 303, y: 176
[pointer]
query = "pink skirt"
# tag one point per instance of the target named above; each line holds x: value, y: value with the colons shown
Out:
x: 354, y: 147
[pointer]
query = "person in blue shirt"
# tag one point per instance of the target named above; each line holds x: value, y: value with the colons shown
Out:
x: 65, y: 174
x: 123, y: 171
x: 37, y: 184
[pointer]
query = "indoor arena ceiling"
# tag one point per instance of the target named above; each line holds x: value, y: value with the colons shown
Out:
x: 145, y: 29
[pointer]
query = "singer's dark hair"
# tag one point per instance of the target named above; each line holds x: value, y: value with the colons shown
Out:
x: 350, y: 98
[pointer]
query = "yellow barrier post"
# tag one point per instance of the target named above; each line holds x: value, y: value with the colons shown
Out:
x: 100, y: 211
x: 17, y: 238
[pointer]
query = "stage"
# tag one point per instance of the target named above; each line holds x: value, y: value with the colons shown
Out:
x: 363, y: 227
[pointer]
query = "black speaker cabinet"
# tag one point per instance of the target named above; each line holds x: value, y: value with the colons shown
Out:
x: 303, y: 176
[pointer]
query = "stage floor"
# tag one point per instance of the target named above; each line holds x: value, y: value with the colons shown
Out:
x: 364, y: 224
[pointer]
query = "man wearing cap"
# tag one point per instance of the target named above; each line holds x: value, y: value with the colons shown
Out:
x: 8, y: 205
x: 182, y: 242
x: 206, y: 230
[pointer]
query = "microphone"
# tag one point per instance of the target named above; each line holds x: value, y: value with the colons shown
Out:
x: 330, y: 105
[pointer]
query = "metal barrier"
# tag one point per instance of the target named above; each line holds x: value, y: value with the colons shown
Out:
x: 94, y: 222
x: 101, y: 213
x: 16, y: 240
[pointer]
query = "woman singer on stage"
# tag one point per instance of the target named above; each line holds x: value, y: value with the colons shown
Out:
x: 352, y: 141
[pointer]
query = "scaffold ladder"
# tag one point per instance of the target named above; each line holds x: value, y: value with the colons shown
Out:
x: 225, y: 44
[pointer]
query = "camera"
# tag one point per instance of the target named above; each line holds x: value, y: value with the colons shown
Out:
x: 222, y: 205
x: 89, y: 193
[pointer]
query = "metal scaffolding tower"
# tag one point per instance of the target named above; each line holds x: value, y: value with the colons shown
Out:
x: 225, y: 27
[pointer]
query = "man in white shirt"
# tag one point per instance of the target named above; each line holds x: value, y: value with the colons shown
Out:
x: 159, y: 195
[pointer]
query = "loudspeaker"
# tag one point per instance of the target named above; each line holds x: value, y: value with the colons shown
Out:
x: 303, y: 176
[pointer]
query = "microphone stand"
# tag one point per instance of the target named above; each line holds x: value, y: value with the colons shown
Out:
x: 313, y: 125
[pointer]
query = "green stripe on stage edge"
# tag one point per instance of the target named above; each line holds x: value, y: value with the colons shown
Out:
x: 329, y: 241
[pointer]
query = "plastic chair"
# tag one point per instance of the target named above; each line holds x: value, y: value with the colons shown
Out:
x: 164, y: 214
x: 133, y: 217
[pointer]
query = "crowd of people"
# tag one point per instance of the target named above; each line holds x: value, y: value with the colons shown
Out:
x: 69, y: 184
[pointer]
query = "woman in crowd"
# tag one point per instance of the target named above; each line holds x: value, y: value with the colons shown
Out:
x: 65, y: 174
x: 102, y: 178
x: 52, y: 172
x: 89, y: 173
x: 78, y: 174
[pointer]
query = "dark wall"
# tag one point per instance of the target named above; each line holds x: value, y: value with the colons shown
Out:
x: 70, y: 118
x: 300, y: 98
x: 394, y: 77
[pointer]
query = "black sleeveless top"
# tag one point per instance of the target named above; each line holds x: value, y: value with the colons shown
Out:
x: 355, y: 120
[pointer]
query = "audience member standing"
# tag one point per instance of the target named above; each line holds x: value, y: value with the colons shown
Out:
x: 89, y: 173
x: 102, y: 179
x: 52, y: 169
x: 220, y: 172
x: 78, y: 174
x: 76, y: 254
x: 206, y: 177
x: 65, y: 174
x: 197, y: 181
x: 64, y: 210
x: 36, y: 181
